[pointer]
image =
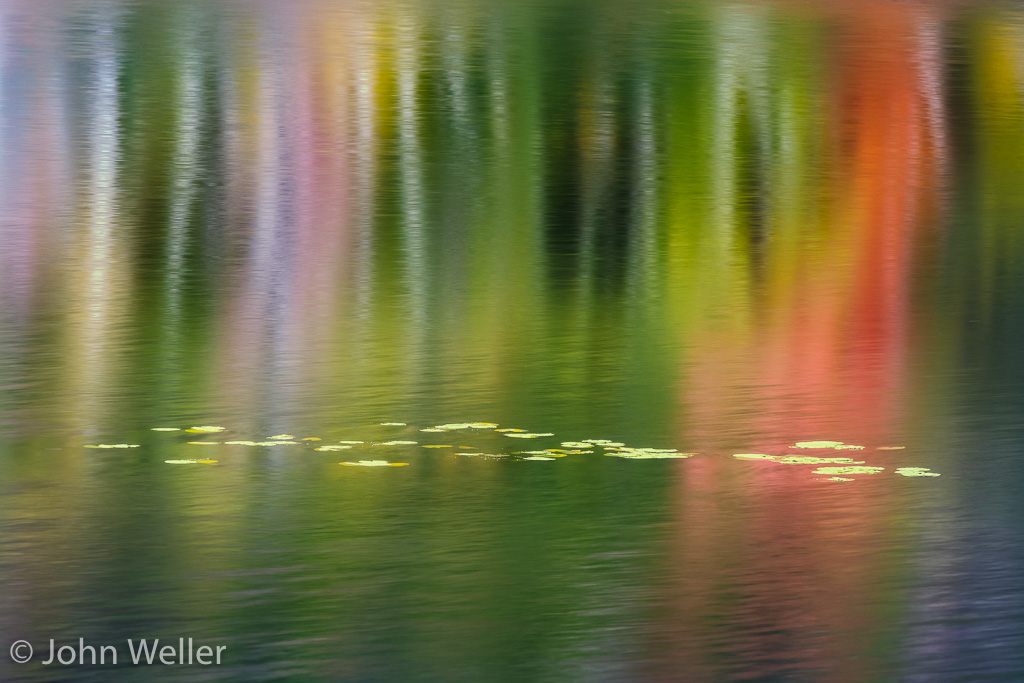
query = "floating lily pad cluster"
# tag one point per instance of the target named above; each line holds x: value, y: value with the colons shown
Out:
x: 831, y: 467
x: 837, y: 465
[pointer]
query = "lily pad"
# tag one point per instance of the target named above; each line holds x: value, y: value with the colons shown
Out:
x: 241, y: 443
x: 351, y: 442
x: 817, y: 444
x: 182, y: 462
x: 165, y: 429
x: 754, y: 456
x: 374, y: 463
x: 332, y: 448
x: 205, y: 429
x: 115, y: 445
x: 538, y: 457
x: 811, y: 460
x: 203, y: 443
x: 855, y: 469
x: 891, y: 448
x: 281, y: 436
x: 838, y: 479
x: 312, y: 438
x: 393, y: 424
x: 396, y: 443
x: 917, y: 472
x: 437, y: 446
x: 575, y: 444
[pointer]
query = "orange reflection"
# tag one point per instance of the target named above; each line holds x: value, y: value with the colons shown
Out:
x: 828, y: 360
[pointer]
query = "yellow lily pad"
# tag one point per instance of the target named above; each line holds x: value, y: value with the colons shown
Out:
x: 855, y: 469
x: 312, y: 438
x: 538, y: 457
x: 206, y: 462
x: 281, y: 436
x: 811, y: 460
x: 393, y: 424
x: 837, y: 445
x: 374, y: 463
x: 916, y: 472
x: 437, y: 446
x: 396, y: 443
x: 205, y: 429
x: 332, y: 448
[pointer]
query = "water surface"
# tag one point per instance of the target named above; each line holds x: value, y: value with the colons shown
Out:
x: 721, y: 228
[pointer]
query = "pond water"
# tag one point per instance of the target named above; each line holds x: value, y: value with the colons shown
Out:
x: 706, y: 228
